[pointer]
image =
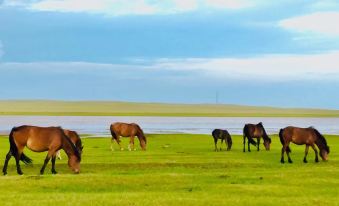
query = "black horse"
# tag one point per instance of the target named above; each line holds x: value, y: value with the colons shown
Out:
x: 257, y: 131
x: 223, y: 135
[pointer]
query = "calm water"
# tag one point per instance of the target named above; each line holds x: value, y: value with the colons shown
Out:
x: 196, y: 125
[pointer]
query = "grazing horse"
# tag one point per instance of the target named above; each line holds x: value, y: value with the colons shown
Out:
x: 41, y: 139
x: 75, y: 138
x: 223, y: 135
x: 127, y: 130
x: 308, y: 136
x: 257, y: 131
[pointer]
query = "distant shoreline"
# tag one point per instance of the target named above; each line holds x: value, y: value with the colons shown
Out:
x: 111, y: 108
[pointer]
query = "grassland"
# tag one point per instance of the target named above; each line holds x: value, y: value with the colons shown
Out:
x: 101, y: 108
x: 176, y: 170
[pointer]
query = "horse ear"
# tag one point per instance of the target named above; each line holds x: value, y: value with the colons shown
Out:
x: 82, y: 147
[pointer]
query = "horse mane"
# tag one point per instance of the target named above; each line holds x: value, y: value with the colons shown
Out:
x: 322, y: 140
x: 141, y: 133
x: 75, y: 150
x: 265, y: 136
x: 78, y: 143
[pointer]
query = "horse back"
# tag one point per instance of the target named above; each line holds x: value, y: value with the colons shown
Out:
x: 253, y: 131
x: 37, y: 138
x: 299, y: 135
x: 125, y: 129
x: 220, y: 134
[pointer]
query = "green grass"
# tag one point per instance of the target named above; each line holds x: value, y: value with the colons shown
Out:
x: 176, y: 170
x: 102, y: 108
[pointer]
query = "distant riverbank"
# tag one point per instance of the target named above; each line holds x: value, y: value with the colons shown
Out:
x: 107, y: 108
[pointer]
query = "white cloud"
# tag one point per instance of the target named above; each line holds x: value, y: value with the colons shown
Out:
x: 229, y: 4
x: 268, y: 68
x: 324, y: 23
x: 273, y: 67
x: 130, y: 7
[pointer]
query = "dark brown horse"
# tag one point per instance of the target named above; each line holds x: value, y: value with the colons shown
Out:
x: 127, y: 130
x: 223, y: 135
x: 41, y: 139
x: 257, y: 131
x: 300, y: 136
x: 75, y: 138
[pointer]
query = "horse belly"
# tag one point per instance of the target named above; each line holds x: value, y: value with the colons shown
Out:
x: 36, y: 146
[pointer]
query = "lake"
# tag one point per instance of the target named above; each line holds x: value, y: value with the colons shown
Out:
x: 99, y: 125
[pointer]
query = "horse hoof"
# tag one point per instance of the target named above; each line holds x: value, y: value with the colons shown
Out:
x: 282, y: 161
x: 305, y: 161
x: 54, y: 172
x: 290, y: 161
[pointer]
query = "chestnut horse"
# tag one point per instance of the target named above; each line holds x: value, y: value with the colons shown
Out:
x: 127, y: 130
x: 41, y: 139
x: 257, y: 131
x: 75, y: 138
x: 223, y: 135
x: 308, y: 136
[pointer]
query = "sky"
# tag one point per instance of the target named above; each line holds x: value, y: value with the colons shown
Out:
x: 251, y: 52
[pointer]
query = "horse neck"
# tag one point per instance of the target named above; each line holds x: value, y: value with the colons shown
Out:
x: 320, y: 144
x: 265, y: 136
x: 67, y: 147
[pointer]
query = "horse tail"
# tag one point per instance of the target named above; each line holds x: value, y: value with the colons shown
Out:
x: 245, y: 134
x: 113, y: 133
x: 14, y: 149
x: 288, y: 149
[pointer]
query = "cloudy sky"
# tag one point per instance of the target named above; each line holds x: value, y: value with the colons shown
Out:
x: 251, y: 52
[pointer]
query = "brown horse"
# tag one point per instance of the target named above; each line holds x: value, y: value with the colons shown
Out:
x: 223, y: 135
x: 41, y: 139
x: 257, y: 131
x: 300, y: 136
x: 127, y: 130
x: 75, y: 138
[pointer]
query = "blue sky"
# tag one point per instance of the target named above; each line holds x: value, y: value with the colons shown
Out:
x: 275, y: 53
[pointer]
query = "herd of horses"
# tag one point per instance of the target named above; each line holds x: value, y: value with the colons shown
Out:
x: 300, y: 136
x: 53, y: 139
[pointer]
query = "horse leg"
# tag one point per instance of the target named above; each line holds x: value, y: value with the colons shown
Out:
x: 112, y: 147
x: 244, y: 144
x: 8, y: 157
x: 119, y: 141
x: 306, y: 152
x: 258, y: 142
x: 216, y: 144
x: 288, y: 155
x: 48, y: 157
x: 316, y: 153
x: 248, y: 146
x: 282, y: 154
x: 58, y: 154
x: 17, y: 161
x: 53, y: 164
x: 222, y: 140
x: 131, y: 144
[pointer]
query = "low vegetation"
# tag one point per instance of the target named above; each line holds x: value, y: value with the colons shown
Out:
x: 176, y: 170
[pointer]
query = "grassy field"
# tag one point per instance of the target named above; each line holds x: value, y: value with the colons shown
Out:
x: 97, y: 108
x: 176, y: 170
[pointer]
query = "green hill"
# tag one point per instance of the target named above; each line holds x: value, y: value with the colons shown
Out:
x: 108, y: 108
